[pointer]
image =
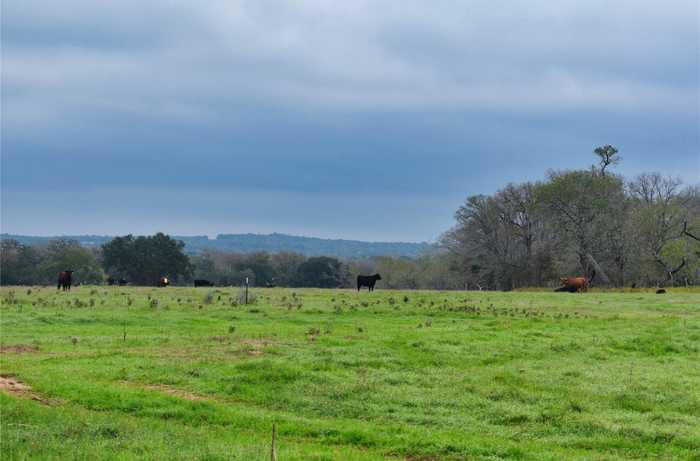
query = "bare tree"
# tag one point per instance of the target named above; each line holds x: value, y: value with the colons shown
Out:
x: 658, y: 220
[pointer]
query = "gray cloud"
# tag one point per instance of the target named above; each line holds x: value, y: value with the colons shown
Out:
x: 184, y: 59
x: 420, y: 99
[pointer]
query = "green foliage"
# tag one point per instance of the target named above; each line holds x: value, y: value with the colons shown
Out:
x: 41, y: 265
x: 17, y: 263
x: 143, y: 260
x: 64, y: 255
x: 322, y: 272
x: 607, y: 155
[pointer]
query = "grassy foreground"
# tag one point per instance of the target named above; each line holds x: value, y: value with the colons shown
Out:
x: 179, y: 373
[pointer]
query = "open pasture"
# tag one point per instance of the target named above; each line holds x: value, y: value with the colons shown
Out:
x: 183, y: 373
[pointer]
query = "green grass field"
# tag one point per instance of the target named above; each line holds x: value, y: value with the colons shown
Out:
x: 179, y: 373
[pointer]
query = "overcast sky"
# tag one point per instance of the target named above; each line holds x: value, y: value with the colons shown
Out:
x: 359, y: 119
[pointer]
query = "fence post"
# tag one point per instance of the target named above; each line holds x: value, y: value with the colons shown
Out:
x: 273, y: 451
x: 246, y: 290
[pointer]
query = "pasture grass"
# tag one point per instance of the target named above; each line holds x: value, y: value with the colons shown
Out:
x: 182, y: 373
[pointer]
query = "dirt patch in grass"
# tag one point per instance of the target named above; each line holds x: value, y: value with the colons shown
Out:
x: 186, y: 395
x: 253, y: 346
x: 17, y: 348
x: 11, y: 385
x: 165, y: 389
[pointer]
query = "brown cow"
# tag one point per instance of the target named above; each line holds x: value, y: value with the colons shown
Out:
x: 163, y: 282
x: 65, y: 279
x: 574, y: 284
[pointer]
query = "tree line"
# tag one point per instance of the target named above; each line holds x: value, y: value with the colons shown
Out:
x: 643, y: 231
x: 143, y: 260
x: 594, y: 223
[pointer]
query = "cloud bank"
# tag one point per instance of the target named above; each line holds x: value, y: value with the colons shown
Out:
x: 432, y: 100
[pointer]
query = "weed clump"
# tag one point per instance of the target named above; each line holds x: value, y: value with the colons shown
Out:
x: 10, y: 298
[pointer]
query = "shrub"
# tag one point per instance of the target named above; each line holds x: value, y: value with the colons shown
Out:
x: 10, y: 297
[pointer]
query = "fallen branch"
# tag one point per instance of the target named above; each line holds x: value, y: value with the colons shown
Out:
x: 686, y: 233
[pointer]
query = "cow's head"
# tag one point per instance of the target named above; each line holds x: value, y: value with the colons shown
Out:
x: 564, y: 280
x: 377, y: 276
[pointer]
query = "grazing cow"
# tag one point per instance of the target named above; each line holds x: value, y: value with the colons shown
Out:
x: 202, y: 283
x: 573, y: 284
x: 123, y: 282
x: 65, y: 279
x: 367, y: 281
x: 111, y: 281
x: 163, y: 282
x: 660, y: 291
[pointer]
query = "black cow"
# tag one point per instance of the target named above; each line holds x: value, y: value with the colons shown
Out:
x: 367, y: 281
x: 113, y: 281
x: 65, y: 279
x: 660, y: 291
x: 202, y: 283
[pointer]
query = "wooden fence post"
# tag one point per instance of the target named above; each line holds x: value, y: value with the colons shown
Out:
x: 273, y: 451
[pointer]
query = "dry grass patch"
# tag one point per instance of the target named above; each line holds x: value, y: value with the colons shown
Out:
x: 169, y: 390
x: 17, y: 348
x: 12, y: 386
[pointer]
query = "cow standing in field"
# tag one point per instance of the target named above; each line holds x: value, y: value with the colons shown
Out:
x: 163, y: 282
x: 202, y: 283
x: 573, y: 284
x: 65, y: 279
x: 367, y: 281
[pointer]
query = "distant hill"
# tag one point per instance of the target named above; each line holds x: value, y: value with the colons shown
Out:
x: 272, y: 243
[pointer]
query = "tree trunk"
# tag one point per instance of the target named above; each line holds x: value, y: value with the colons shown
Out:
x: 599, y: 272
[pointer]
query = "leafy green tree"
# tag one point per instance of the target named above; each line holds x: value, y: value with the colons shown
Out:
x: 285, y: 265
x: 321, y: 272
x: 260, y: 265
x: 583, y: 208
x: 61, y: 255
x: 18, y: 263
x: 608, y: 155
x: 204, y: 267
x: 143, y: 260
